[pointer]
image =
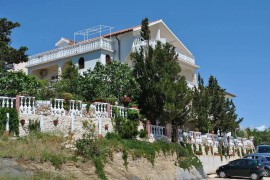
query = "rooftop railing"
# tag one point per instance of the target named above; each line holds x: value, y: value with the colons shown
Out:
x: 67, y: 51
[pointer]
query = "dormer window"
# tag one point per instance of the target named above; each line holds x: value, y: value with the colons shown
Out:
x: 81, y: 63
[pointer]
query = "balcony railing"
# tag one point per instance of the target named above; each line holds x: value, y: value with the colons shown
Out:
x: 138, y: 43
x: 67, y: 51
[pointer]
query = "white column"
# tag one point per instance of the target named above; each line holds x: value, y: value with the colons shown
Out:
x: 41, y: 123
x: 158, y: 35
x: 7, y: 124
x: 194, y: 79
x: 72, y: 123
x: 99, y: 126
x: 59, y: 70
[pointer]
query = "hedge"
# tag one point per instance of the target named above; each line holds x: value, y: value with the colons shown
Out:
x: 13, y: 121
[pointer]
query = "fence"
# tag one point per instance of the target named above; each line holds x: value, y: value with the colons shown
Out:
x: 7, y: 102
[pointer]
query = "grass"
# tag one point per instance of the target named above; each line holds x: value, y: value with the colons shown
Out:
x: 36, y: 147
x: 37, y: 176
x: 98, y: 150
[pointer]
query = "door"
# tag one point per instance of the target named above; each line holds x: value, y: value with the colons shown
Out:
x: 247, y: 166
x: 236, y: 168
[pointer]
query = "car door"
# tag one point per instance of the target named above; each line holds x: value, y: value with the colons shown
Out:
x: 247, y: 166
x: 236, y: 168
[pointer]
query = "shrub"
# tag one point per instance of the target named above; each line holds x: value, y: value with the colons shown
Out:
x: 13, y: 120
x: 206, y: 148
x: 112, y: 135
x: 212, y: 150
x: 125, y: 128
x: 33, y: 126
x: 132, y: 114
x: 142, y: 133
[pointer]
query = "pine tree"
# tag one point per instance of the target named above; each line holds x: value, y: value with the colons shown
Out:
x: 164, y: 93
x: 201, y: 107
x: 145, y: 31
x: 9, y: 55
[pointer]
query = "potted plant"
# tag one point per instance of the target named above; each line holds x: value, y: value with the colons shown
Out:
x: 22, y: 122
x: 125, y: 100
x: 134, y: 105
x: 55, y: 122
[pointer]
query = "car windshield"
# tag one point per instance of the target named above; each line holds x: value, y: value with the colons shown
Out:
x: 264, y: 149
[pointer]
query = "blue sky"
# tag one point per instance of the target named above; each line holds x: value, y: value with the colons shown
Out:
x: 229, y: 38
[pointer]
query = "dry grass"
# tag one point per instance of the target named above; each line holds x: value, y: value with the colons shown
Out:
x: 38, y: 146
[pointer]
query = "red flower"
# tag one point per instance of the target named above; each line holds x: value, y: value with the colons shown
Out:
x: 126, y: 99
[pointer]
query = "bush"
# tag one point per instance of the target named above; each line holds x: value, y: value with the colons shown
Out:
x: 133, y: 114
x: 142, y: 133
x: 112, y: 135
x: 125, y: 128
x: 33, y: 126
x: 13, y: 120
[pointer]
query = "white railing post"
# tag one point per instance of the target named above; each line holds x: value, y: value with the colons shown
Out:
x: 41, y: 123
x: 7, y: 124
x: 72, y: 123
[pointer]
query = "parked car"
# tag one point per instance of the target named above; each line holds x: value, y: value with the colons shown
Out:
x: 265, y: 160
x: 263, y: 149
x: 242, y: 168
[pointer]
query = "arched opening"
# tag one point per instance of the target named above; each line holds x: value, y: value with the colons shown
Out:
x: 108, y: 59
x: 81, y: 63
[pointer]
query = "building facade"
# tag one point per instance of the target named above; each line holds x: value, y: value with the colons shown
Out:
x: 117, y: 45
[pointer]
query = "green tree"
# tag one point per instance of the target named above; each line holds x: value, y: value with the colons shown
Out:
x: 110, y: 80
x: 222, y: 111
x: 9, y: 55
x: 232, y: 122
x: 217, y: 110
x: 201, y: 107
x: 69, y: 81
x: 164, y: 92
x: 12, y: 83
x: 145, y: 32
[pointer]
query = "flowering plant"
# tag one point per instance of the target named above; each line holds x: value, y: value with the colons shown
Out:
x: 126, y: 99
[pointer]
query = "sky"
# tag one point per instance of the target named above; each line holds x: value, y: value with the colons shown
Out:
x: 229, y: 38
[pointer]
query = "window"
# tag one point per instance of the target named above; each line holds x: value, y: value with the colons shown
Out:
x: 236, y: 163
x: 81, y: 63
x: 108, y: 59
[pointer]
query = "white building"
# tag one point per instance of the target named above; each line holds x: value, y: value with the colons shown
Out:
x: 114, y: 45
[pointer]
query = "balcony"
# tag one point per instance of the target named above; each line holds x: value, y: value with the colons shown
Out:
x: 68, y: 51
x: 138, y: 43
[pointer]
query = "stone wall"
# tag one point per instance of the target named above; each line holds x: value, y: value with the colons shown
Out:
x: 64, y: 124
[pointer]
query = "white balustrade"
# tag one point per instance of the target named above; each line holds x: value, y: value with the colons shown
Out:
x: 138, y: 43
x: 101, y: 110
x: 185, y: 58
x: 156, y: 131
x: 198, y: 137
x: 7, y: 102
x: 118, y: 111
x: 57, y: 107
x: 180, y: 135
x: 239, y: 142
x: 42, y: 102
x: 67, y: 51
x: 27, y: 105
x: 75, y: 108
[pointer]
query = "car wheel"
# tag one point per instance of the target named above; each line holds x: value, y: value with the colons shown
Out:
x: 222, y: 174
x: 254, y: 176
x: 267, y: 172
x: 260, y: 177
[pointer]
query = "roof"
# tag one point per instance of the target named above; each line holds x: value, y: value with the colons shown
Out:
x: 230, y: 94
x: 129, y: 29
